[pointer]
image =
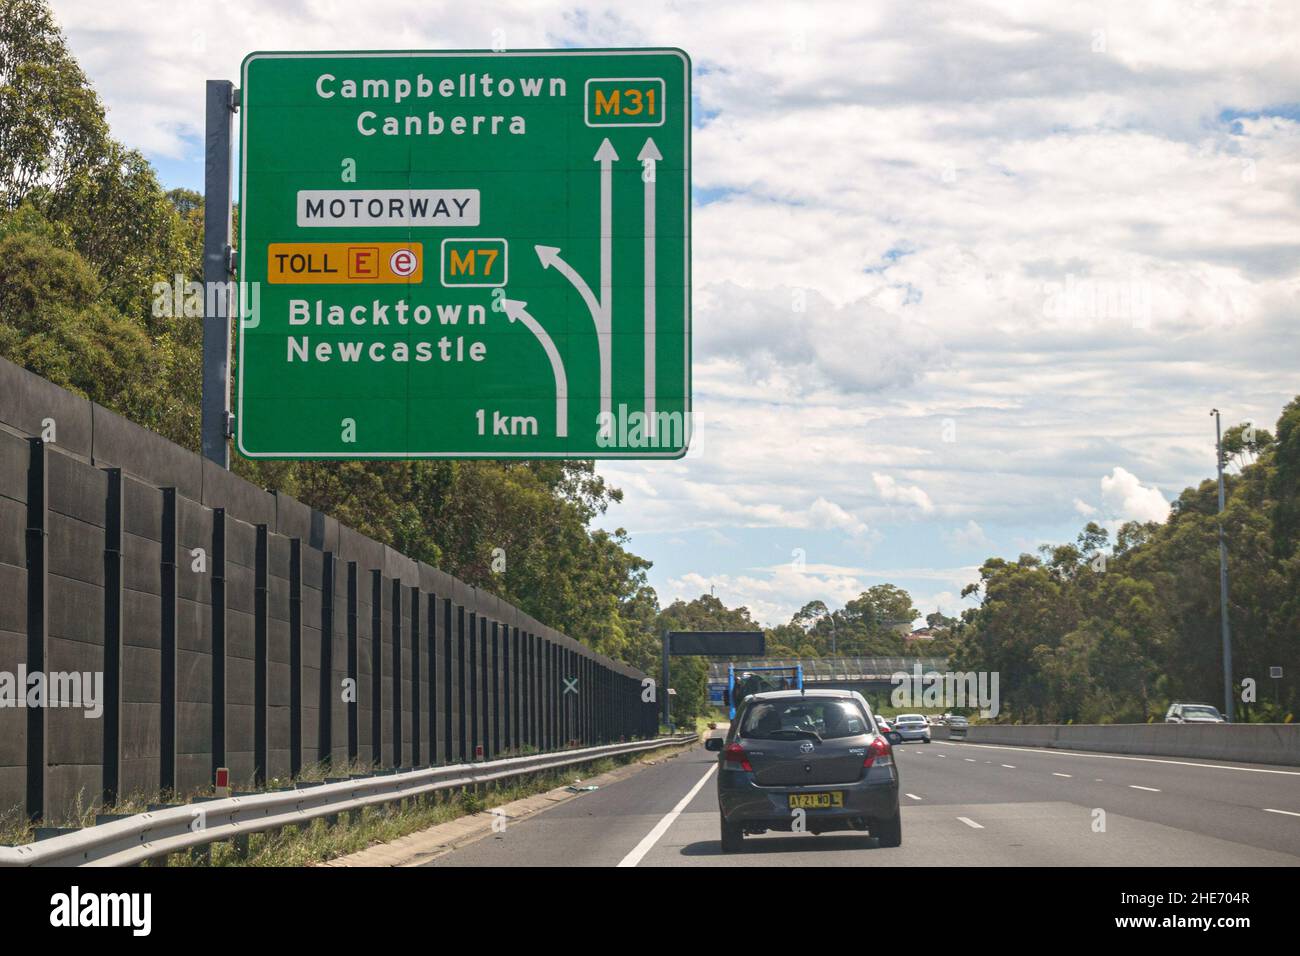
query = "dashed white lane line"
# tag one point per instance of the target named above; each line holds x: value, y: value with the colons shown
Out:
x: 969, y: 759
x: 651, y: 838
x: 1289, y: 813
x: 971, y: 823
x: 1054, y: 774
x: 1009, y: 766
x: 1134, y: 786
x: 1077, y: 753
x: 912, y: 796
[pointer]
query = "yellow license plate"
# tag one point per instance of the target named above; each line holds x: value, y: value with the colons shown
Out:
x: 832, y: 800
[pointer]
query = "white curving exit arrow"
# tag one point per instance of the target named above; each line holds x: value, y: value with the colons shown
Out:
x: 550, y: 259
x: 649, y: 157
x: 516, y: 312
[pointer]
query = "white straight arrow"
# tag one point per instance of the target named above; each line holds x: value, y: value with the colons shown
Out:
x: 649, y: 156
x: 515, y: 311
x: 606, y: 157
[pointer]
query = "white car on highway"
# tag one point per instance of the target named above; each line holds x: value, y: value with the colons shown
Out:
x: 913, y: 727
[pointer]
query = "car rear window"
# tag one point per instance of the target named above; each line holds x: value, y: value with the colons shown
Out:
x: 1201, y: 711
x: 788, y: 719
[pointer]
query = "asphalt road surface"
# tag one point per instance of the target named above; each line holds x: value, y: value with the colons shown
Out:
x: 962, y: 804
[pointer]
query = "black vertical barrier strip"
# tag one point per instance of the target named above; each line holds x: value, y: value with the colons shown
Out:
x: 218, y: 704
x: 552, y: 693
x: 376, y: 667
x: 397, y: 672
x: 556, y: 693
x: 325, y: 716
x: 514, y: 700
x: 484, y: 700
x: 260, y: 571
x: 38, y: 560
x: 447, y: 676
x: 526, y: 708
x: 525, y: 692
x: 496, y: 688
x: 543, y: 723
x: 566, y: 723
x: 295, y: 656
x: 415, y: 678
x: 111, y: 717
x: 507, y: 689
x: 354, y: 731
x: 167, y: 684
x: 431, y: 672
x: 468, y: 698
x: 471, y: 682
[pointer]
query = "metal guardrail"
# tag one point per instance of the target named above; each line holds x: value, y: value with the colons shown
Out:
x: 159, y: 833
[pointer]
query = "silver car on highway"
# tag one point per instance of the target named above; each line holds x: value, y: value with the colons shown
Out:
x: 811, y: 760
x: 912, y: 727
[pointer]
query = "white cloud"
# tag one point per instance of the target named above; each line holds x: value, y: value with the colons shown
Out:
x: 971, y: 535
x: 891, y: 491
x: 1129, y: 500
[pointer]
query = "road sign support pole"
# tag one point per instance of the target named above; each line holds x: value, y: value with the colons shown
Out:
x: 1229, y: 703
x: 218, y: 304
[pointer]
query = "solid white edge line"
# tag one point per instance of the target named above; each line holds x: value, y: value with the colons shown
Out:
x: 1076, y: 753
x: 651, y: 838
x: 971, y: 823
x: 1289, y: 813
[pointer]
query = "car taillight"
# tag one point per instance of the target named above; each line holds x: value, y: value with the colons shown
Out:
x: 879, y: 754
x: 734, y: 758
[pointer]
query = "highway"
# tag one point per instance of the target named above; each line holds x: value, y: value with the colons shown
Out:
x: 963, y: 804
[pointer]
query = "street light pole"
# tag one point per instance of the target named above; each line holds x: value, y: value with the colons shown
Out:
x: 1229, y: 702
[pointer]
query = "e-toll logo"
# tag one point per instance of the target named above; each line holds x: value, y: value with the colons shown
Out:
x: 325, y: 263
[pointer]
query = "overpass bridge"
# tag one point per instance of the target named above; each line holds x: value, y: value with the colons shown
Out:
x: 870, y: 676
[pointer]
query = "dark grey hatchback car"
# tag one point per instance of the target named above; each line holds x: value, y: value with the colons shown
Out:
x: 815, y: 751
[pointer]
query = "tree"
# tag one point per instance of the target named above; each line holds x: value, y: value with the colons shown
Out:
x: 51, y: 122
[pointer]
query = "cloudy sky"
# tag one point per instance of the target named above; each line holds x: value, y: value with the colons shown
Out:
x: 967, y: 275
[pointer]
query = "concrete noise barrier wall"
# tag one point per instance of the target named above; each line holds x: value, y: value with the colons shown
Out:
x: 227, y: 626
x: 1244, y: 743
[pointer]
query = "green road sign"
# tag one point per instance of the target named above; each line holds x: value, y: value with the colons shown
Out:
x: 465, y: 255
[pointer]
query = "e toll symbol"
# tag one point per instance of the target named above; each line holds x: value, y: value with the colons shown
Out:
x: 341, y: 263
x: 403, y: 262
x: 363, y: 262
